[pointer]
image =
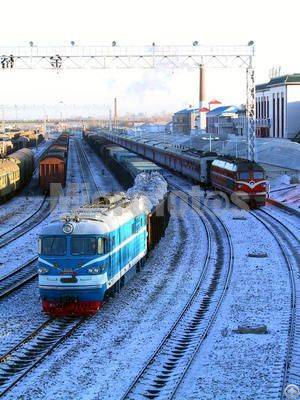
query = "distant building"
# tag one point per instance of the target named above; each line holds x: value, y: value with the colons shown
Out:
x: 184, y: 121
x: 152, y: 128
x: 225, y: 120
x: 278, y: 107
x: 214, y: 103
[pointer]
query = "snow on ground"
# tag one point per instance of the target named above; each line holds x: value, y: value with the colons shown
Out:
x: 100, y: 361
x: 230, y: 365
x: 102, y: 358
x: 20, y: 315
x: 290, y: 220
x: 103, y: 177
x: 284, y: 190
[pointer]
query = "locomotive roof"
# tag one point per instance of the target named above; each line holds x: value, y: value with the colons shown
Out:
x: 93, y: 220
x: 239, y: 164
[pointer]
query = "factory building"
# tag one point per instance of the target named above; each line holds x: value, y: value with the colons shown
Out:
x: 278, y: 107
x: 225, y: 120
x: 184, y: 121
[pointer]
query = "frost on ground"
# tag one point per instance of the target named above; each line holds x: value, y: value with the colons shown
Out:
x: 234, y: 366
x: 283, y: 189
x: 104, y: 356
x: 20, y: 314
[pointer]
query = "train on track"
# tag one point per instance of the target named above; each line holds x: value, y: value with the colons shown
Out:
x: 53, y: 165
x: 244, y: 181
x: 15, y: 172
x: 88, y: 255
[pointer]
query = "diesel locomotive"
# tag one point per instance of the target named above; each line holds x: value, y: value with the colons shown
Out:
x: 243, y: 180
x: 86, y: 256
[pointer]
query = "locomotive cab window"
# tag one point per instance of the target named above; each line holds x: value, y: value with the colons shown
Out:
x: 258, y: 175
x: 101, y: 246
x: 54, y: 246
x: 84, y: 246
x: 244, y: 175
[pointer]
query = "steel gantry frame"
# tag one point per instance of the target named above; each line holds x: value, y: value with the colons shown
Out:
x: 148, y: 57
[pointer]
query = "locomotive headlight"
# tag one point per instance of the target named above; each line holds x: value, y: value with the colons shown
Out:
x: 94, y: 270
x: 43, y: 270
x: 67, y: 228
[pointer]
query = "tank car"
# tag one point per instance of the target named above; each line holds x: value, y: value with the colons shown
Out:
x: 15, y: 171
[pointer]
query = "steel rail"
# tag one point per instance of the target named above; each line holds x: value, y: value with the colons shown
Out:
x: 284, y: 238
x: 29, y: 352
x: 18, y: 278
x: 165, y: 369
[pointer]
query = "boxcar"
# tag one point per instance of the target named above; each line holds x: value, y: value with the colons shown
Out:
x: 53, y: 166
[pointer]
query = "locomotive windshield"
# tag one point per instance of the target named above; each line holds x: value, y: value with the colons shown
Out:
x: 86, y: 246
x: 244, y: 175
x: 54, y: 246
x: 258, y: 175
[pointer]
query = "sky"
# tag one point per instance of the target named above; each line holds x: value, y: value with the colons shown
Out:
x: 273, y: 29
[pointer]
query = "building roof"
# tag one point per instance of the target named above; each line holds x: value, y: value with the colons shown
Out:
x: 289, y: 79
x: 224, y: 110
x: 187, y: 111
x: 214, y: 101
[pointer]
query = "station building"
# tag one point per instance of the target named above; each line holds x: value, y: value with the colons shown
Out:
x: 278, y: 107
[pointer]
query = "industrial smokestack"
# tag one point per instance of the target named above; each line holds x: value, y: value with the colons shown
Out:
x: 115, y: 113
x: 201, y: 86
x: 202, y: 122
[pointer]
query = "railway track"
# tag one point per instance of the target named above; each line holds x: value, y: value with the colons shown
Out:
x: 18, y: 278
x: 27, y: 224
x: 166, y: 368
x: 289, y: 245
x: 91, y: 186
x: 16, y: 363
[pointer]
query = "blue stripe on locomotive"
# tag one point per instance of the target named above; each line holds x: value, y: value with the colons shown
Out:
x: 124, y: 247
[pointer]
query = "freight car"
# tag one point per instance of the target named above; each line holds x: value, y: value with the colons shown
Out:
x: 15, y: 172
x: 53, y: 166
x: 88, y: 255
x: 197, y: 166
x: 126, y: 166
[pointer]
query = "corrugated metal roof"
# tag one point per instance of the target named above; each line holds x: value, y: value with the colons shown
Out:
x: 224, y: 110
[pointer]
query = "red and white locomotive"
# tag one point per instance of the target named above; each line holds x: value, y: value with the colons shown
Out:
x: 240, y: 179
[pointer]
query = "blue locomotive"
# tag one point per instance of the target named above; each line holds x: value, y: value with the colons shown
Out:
x: 83, y: 257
